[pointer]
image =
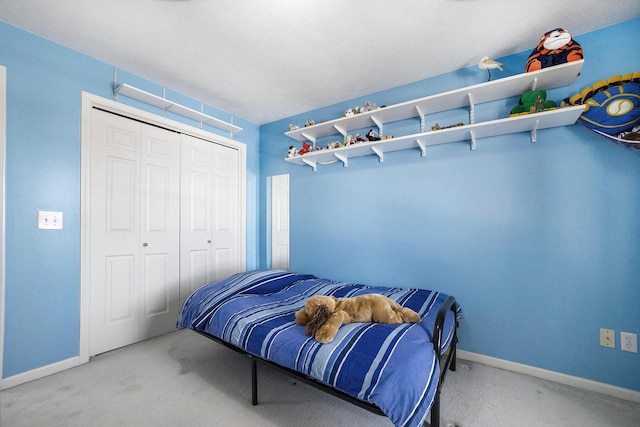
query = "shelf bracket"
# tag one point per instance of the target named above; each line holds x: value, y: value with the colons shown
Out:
x: 423, y: 148
x: 378, y: 123
x: 472, y: 112
x: 473, y: 140
x: 310, y: 138
x: 115, y: 83
x: 379, y: 152
x: 534, y: 136
x: 311, y: 163
x: 421, y: 114
x: 342, y: 131
x: 534, y: 84
x: 164, y: 96
x: 343, y: 159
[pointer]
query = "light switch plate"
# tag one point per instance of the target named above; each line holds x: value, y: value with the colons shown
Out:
x: 49, y: 220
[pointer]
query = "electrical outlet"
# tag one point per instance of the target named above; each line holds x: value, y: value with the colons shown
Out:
x: 607, y: 338
x: 629, y: 342
x: 48, y: 220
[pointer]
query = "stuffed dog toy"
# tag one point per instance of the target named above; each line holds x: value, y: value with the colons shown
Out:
x: 323, y: 315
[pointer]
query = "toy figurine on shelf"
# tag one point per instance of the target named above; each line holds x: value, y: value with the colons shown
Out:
x: 350, y: 140
x: 367, y: 106
x: 293, y: 151
x: 309, y: 122
x: 371, y: 136
x: 488, y: 64
x: 438, y: 127
x: 533, y: 102
x: 555, y: 47
x: 294, y: 127
x: 306, y: 147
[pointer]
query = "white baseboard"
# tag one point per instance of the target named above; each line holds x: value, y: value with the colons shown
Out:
x: 38, y: 373
x: 581, y: 383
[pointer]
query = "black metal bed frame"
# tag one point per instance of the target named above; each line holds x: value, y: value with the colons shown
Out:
x: 447, y: 361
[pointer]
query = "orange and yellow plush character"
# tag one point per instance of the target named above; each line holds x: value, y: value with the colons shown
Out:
x: 323, y: 315
x: 556, y: 47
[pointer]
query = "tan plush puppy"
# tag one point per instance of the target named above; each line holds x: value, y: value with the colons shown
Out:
x: 323, y: 315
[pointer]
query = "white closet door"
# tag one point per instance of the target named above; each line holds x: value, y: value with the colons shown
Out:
x: 196, y: 218
x: 160, y: 231
x: 115, y: 212
x: 280, y: 221
x: 210, y: 211
x: 134, y: 278
x: 226, y: 211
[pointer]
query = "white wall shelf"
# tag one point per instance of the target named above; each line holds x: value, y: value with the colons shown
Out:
x: 524, y: 123
x: 167, y: 105
x: 508, y: 87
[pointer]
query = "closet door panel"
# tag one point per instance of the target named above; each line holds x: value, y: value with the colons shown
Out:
x: 114, y: 209
x: 227, y: 211
x: 210, y: 215
x: 160, y: 236
x: 121, y: 195
x: 223, y: 263
x: 120, y: 277
x: 196, y: 256
x: 157, y: 290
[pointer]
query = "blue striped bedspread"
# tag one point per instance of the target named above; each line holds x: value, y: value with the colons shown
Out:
x: 391, y: 366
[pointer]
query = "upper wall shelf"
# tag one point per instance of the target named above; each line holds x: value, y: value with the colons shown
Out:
x: 167, y: 105
x: 547, y: 78
x: 508, y: 87
x: 525, y: 123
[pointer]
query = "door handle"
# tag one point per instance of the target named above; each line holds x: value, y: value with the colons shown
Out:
x: 145, y: 244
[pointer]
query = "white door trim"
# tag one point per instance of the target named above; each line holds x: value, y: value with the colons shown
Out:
x: 89, y: 101
x: 3, y: 127
x: 279, y: 220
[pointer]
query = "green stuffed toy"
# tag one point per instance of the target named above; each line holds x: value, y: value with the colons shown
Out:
x: 532, y: 102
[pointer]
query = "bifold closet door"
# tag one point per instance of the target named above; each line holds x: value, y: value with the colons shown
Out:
x: 210, y: 213
x: 134, y: 231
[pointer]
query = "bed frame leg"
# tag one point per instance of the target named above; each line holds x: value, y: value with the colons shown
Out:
x: 435, y: 412
x: 254, y: 382
x: 454, y: 350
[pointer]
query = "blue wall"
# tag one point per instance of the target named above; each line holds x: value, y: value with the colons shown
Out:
x: 540, y: 243
x: 44, y: 84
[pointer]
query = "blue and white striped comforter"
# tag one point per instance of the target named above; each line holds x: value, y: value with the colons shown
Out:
x: 392, y: 366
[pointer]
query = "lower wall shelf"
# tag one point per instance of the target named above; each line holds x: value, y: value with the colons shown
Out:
x: 524, y: 123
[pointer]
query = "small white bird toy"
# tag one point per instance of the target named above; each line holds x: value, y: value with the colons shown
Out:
x: 487, y: 63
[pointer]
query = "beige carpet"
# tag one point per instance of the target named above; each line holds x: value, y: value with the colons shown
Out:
x: 183, y: 379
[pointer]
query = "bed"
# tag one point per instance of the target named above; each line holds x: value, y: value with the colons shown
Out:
x: 393, y: 370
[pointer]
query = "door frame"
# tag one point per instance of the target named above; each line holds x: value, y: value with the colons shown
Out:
x: 3, y: 136
x: 89, y: 101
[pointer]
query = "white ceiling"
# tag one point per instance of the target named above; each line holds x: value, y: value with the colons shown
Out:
x: 265, y: 60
